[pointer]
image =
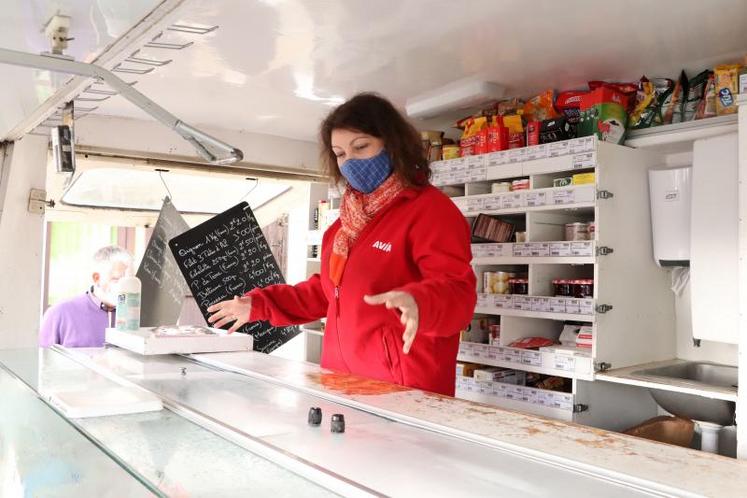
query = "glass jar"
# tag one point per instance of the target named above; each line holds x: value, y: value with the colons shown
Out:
x: 561, y: 288
x: 583, y: 288
x: 518, y: 286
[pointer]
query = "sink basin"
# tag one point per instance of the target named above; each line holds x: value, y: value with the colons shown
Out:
x: 696, y: 375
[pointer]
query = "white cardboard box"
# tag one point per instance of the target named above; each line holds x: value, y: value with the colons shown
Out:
x: 146, y: 342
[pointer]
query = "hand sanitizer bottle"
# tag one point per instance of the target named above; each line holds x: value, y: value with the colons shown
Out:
x: 128, y: 304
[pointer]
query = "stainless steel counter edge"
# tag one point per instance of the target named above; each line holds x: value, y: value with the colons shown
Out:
x: 335, y: 483
x: 640, y: 463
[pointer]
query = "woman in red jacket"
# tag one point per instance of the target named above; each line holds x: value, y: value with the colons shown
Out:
x: 396, y: 283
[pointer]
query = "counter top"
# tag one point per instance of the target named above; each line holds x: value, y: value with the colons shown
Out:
x: 629, y: 376
x: 399, y: 441
x: 631, y: 459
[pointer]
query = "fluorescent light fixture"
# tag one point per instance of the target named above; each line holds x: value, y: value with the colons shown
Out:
x: 459, y: 95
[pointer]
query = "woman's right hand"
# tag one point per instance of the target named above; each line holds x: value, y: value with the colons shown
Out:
x: 235, y: 310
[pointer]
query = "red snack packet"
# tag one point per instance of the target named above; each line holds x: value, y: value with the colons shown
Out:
x: 533, y: 132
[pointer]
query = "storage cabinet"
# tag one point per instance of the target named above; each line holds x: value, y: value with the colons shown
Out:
x: 631, y: 311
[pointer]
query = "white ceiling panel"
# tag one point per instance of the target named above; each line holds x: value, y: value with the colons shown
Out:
x: 278, y: 66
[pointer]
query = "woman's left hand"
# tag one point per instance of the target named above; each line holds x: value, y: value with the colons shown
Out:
x: 406, y: 304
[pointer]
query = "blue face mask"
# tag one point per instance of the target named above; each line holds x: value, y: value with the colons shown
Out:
x: 366, y: 175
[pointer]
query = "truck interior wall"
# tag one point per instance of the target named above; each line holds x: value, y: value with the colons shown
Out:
x: 22, y: 251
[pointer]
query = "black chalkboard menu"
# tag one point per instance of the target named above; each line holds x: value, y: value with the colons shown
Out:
x: 164, y: 286
x: 227, y: 256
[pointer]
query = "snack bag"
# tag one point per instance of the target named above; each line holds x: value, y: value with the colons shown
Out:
x: 707, y: 106
x: 603, y: 114
x: 568, y: 104
x: 508, y: 107
x: 515, y: 127
x: 671, y: 110
x: 555, y: 130
x: 533, y: 132
x: 663, y: 88
x: 540, y: 108
x: 726, y: 88
x: 627, y: 89
x: 645, y: 98
x: 469, y: 140
x: 695, y: 92
x: 497, y: 135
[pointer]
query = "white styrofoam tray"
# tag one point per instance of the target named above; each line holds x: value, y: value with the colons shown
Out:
x: 144, y: 341
x: 103, y: 401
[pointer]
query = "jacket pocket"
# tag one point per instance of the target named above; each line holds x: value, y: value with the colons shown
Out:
x: 391, y: 355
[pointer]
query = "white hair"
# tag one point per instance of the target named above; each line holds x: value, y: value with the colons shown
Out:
x: 104, y: 258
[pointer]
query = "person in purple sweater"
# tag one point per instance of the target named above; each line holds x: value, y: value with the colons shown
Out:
x: 80, y: 322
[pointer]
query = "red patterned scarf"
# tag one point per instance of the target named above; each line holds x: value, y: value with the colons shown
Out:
x: 356, y: 211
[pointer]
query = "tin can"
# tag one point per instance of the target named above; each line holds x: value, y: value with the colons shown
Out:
x: 500, y: 187
x: 577, y: 231
x: 522, y: 184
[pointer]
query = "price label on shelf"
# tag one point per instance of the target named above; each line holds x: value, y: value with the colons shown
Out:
x: 499, y: 389
x: 530, y: 395
x: 539, y: 249
x: 511, y: 355
x: 536, y: 199
x: 560, y: 249
x: 581, y: 144
x: 492, y: 353
x: 584, y: 160
x: 559, y: 148
x: 479, y: 175
x: 503, y: 301
x: 564, y: 362
x: 484, y: 300
x: 533, y: 358
x: 523, y: 303
x: 513, y: 200
x: 536, y: 152
x: 584, y: 248
x: 562, y: 197
x: 480, y: 350
x: 473, y: 205
x: 513, y: 392
x: 521, y: 250
x: 573, y: 306
x: 494, y: 202
x: 587, y: 306
x: 557, y: 304
x: 541, y: 304
x: 516, y: 155
x: 497, y: 158
x: 476, y: 162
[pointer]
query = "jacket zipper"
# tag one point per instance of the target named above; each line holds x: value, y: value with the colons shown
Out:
x: 337, y: 287
x: 337, y: 326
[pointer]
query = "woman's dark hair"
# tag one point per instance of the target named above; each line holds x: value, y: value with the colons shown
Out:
x: 374, y: 115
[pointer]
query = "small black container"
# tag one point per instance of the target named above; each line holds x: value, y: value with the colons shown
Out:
x: 315, y: 416
x: 338, y: 423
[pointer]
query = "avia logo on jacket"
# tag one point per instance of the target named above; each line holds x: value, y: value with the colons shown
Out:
x: 383, y: 246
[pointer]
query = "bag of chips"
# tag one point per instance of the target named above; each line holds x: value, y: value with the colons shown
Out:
x: 672, y: 108
x: 695, y: 92
x: 568, y: 104
x: 707, y: 106
x: 727, y: 76
x: 540, y: 108
x: 515, y: 127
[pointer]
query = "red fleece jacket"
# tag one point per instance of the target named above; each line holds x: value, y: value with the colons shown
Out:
x: 420, y: 244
